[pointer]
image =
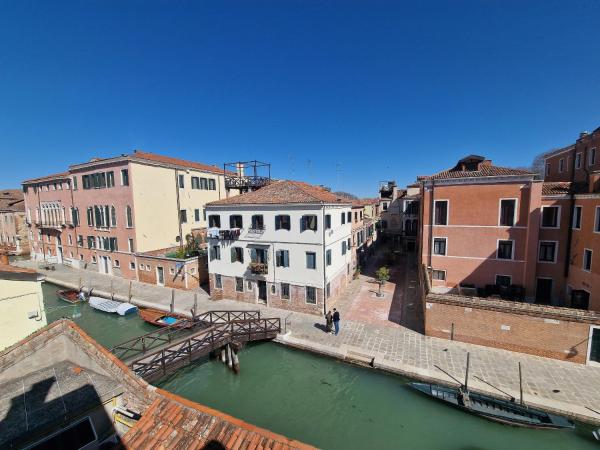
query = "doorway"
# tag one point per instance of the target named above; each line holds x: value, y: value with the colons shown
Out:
x: 160, y: 276
x: 262, y: 291
x: 543, y: 291
x: 105, y: 265
x: 594, y: 347
x: 59, y: 250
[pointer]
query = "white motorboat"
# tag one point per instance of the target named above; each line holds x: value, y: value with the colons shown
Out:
x: 111, y: 306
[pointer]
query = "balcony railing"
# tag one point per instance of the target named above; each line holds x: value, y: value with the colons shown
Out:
x: 256, y: 230
x: 258, y: 268
x: 229, y: 235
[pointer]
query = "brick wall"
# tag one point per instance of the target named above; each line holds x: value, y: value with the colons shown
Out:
x: 196, y: 271
x: 552, y: 332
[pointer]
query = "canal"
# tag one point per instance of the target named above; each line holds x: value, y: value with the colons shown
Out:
x: 322, y: 401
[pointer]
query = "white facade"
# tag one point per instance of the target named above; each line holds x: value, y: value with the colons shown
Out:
x: 298, y: 243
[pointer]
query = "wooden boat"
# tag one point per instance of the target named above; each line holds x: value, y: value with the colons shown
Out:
x: 502, y: 411
x: 160, y: 318
x: 69, y: 295
x: 111, y: 306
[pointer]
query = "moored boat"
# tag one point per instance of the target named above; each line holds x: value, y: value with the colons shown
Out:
x: 503, y: 411
x: 70, y: 295
x: 160, y: 318
x: 111, y: 306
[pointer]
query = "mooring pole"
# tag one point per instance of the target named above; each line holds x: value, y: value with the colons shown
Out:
x: 467, y: 372
x: 520, y: 385
x: 229, y: 357
x: 130, y: 288
x: 452, y: 332
x: 172, y: 300
x: 195, y: 303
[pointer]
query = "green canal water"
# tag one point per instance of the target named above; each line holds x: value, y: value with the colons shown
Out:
x: 324, y: 402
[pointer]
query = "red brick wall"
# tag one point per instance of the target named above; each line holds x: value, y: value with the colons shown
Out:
x: 558, y: 338
x: 172, y: 280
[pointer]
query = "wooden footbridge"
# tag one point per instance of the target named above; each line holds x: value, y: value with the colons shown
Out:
x: 161, y: 352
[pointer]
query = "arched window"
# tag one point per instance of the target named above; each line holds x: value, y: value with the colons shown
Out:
x: 129, y: 217
x: 113, y: 216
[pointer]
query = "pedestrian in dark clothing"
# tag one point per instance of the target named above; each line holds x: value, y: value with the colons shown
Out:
x: 328, y: 322
x: 336, y: 321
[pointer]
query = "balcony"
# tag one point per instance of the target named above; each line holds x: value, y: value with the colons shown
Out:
x: 258, y: 268
x: 256, y: 230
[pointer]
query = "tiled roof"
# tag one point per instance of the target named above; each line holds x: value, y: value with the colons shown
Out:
x: 284, y: 192
x: 556, y: 188
x: 172, y: 422
x: 558, y: 150
x: 484, y: 171
x: 176, y: 162
x: 54, y: 176
x: 12, y: 200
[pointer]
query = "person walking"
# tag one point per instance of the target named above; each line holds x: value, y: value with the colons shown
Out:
x: 328, y: 322
x: 336, y: 321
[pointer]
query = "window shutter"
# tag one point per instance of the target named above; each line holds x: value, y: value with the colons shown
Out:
x: 286, y: 258
x: 253, y: 255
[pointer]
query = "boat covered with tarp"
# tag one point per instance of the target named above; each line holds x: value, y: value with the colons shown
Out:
x: 112, y: 306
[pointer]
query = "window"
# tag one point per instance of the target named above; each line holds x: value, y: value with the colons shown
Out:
x: 181, y: 181
x: 214, y: 221
x: 74, y: 183
x: 355, y: 216
x: 311, y: 260
x: 212, y: 185
x: 129, y: 217
x: 195, y: 183
x: 311, y: 295
x: 75, y: 216
x: 237, y: 254
x: 348, y: 217
x: 328, y: 290
x: 239, y: 284
x: 282, y: 222
x: 561, y: 165
x: 508, y: 209
x: 203, y: 184
x: 258, y: 255
x: 70, y: 238
x: 343, y: 247
x: 592, y: 159
x: 327, y: 221
x: 183, y: 216
x: 550, y: 216
x: 577, y: 218
x: 385, y: 206
x: 547, y: 169
x: 578, y: 161
x: 196, y: 215
x: 547, y: 251
x: 587, y: 260
x: 348, y: 244
x: 439, y: 246
x: 258, y: 222
x: 124, y: 177
x: 116, y: 263
x: 505, y: 249
x: 132, y: 265
x: 308, y: 223
x: 328, y: 257
x: 218, y: 281
x: 343, y: 218
x: 441, y: 212
x: 235, y: 221
x: 285, y: 291
x: 282, y: 258
x: 113, y: 216
x: 503, y: 280
x: 110, y: 179
x: 439, y: 275
x: 80, y: 240
x: 91, y: 242
x: 597, y: 220
x: 90, y: 217
x: 130, y: 245
x: 215, y: 252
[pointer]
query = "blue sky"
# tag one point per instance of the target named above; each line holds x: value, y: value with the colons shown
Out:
x: 338, y: 93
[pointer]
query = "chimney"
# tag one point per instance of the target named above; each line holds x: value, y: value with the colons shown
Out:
x: 583, y: 134
x: 239, y: 168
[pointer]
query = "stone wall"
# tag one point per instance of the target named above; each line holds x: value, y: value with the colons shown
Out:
x: 552, y: 332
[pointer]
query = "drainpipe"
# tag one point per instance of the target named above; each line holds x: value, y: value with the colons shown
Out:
x: 571, y: 212
x: 78, y: 216
x: 37, y: 187
x: 431, y: 217
x: 178, y: 209
x: 324, y: 261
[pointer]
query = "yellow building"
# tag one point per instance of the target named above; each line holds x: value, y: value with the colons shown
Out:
x: 21, y: 303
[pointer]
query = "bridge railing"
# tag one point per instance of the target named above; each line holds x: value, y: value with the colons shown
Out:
x: 157, y: 364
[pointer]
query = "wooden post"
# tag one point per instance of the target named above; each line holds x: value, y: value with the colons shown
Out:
x: 80, y: 283
x: 229, y: 357
x: 452, y: 332
x: 467, y: 373
x: 236, y: 362
x: 223, y: 355
x: 172, y: 301
x: 130, y: 289
x: 112, y: 291
x: 195, y: 303
x: 520, y: 385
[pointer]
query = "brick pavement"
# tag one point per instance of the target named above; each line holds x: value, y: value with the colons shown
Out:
x: 394, y: 347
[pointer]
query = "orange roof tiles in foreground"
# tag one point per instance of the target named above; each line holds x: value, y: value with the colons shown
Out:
x: 172, y: 422
x: 283, y: 192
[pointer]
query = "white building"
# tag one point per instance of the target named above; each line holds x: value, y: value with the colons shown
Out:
x: 284, y: 245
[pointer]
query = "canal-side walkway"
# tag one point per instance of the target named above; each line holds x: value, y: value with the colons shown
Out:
x: 556, y: 385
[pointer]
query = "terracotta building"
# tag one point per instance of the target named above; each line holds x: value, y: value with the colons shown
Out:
x: 99, y: 215
x: 14, y: 235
